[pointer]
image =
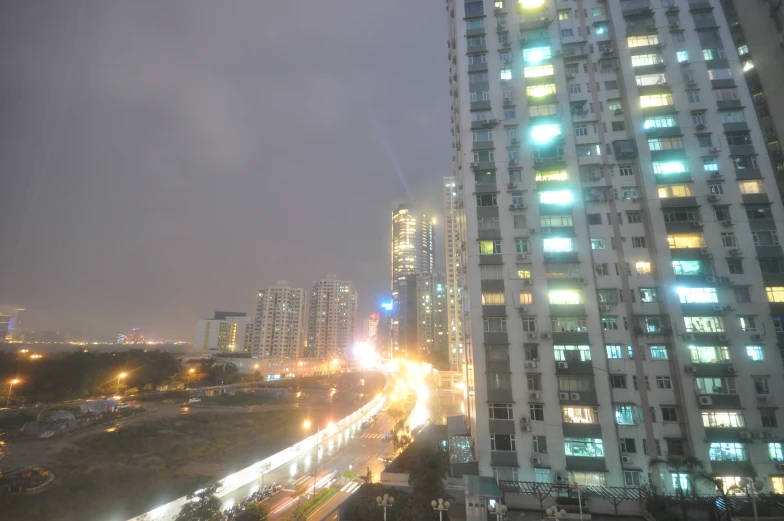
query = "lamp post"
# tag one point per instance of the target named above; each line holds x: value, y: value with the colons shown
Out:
x: 384, y: 502
x: 10, y: 386
x: 255, y: 370
x: 440, y: 506
x: 119, y: 377
x: 190, y: 374
x: 555, y: 514
x: 306, y: 426
x: 498, y: 510
x: 752, y: 487
x: 580, y: 489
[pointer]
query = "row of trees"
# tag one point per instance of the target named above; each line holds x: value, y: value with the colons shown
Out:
x: 205, y: 506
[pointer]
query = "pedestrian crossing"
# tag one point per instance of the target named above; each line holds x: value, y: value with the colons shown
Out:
x: 351, y: 487
x: 369, y: 436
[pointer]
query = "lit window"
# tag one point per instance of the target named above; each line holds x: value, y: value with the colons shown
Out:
x: 489, y: 247
x: 524, y: 272
x: 723, y: 419
x: 506, y: 74
x: 697, y: 295
x: 656, y: 100
x: 752, y: 186
x: 689, y: 240
x: 578, y: 414
x: 682, y: 56
x: 775, y: 293
x: 598, y: 244
x: 641, y: 60
x: 614, y: 351
x: 552, y: 176
x: 526, y: 298
x: 755, y: 353
x: 572, y: 353
x: 669, y: 167
x: 563, y: 296
x: 775, y: 451
x: 531, y: 4
x: 687, y: 267
x: 719, y: 74
x: 659, y: 353
x: 642, y: 267
x: 709, y: 354
x: 545, y: 133
x: 660, y: 122
x: 536, y: 54
x: 492, y: 298
x: 556, y: 197
x: 642, y: 41
x: 743, y: 49
x: 590, y: 479
x: 584, y: 447
x: 710, y: 164
x: 537, y: 91
x: 557, y: 244
x: 704, y: 324
x: 627, y: 414
x: 538, y: 71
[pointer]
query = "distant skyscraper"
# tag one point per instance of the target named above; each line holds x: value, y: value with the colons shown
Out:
x: 226, y: 332
x: 16, y: 326
x: 280, y: 328
x: 5, y: 321
x: 453, y: 303
x: 332, y: 321
x: 412, y: 253
x: 372, y: 329
x: 423, y: 316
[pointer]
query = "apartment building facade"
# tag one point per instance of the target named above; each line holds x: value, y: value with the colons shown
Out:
x: 623, y: 277
x: 332, y: 318
x: 452, y: 215
x: 280, y: 328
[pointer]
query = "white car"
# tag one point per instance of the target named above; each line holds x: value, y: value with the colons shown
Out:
x: 194, y: 400
x: 123, y: 406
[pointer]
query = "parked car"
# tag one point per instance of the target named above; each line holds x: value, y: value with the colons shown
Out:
x: 123, y: 406
x: 194, y: 400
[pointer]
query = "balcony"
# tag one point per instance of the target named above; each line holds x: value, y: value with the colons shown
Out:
x: 534, y: 22
x: 636, y: 8
x: 697, y: 5
x: 575, y: 51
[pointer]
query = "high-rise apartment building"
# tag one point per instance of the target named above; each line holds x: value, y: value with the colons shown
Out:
x: 372, y: 329
x: 452, y: 214
x: 412, y: 253
x: 332, y: 322
x: 281, y: 322
x: 226, y: 332
x: 423, y: 315
x: 623, y: 262
x: 757, y: 29
x: 16, y: 326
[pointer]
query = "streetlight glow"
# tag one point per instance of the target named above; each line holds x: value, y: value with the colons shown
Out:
x: 306, y: 425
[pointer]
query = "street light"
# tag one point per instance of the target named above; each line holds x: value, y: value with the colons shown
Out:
x: 190, y: 373
x: 440, y: 506
x: 580, y: 489
x: 10, y: 386
x: 555, y: 513
x: 752, y: 487
x: 386, y: 501
x: 119, y: 376
x: 255, y: 370
x: 498, y: 510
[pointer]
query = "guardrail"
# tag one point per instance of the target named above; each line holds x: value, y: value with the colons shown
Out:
x: 249, y: 474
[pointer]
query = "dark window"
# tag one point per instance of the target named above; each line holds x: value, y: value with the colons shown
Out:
x: 473, y: 8
x: 594, y: 218
x: 758, y: 212
x: 674, y: 447
x: 769, y: 418
x: 735, y: 266
x: 669, y: 414
x: 619, y: 381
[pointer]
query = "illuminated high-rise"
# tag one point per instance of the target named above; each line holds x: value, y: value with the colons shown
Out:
x: 412, y: 254
x: 332, y: 322
x: 452, y: 215
x: 623, y: 264
x: 281, y: 322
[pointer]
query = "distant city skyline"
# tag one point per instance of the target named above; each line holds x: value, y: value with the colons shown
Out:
x: 204, y: 190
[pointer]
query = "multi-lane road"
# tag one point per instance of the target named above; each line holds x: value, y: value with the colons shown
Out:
x: 356, y: 449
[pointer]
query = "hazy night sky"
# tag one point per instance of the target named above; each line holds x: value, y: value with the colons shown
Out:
x: 163, y: 159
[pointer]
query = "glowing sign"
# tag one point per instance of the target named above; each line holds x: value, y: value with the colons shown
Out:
x: 387, y: 306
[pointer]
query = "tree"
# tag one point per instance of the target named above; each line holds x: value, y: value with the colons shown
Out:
x: 692, y: 470
x: 367, y: 478
x: 427, y: 477
x: 201, y: 506
x: 254, y: 512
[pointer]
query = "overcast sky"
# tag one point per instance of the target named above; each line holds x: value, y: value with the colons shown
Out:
x: 163, y: 159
